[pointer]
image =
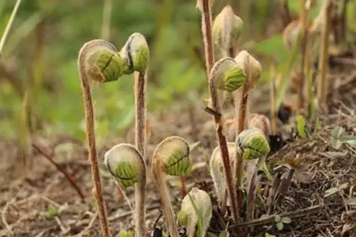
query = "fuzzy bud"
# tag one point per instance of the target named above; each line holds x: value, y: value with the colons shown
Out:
x: 194, y: 203
x: 125, y: 164
x: 252, y: 144
x: 136, y: 53
x: 102, y: 62
x: 227, y: 75
x: 250, y: 65
x: 217, y: 170
x: 173, y: 155
x: 227, y: 28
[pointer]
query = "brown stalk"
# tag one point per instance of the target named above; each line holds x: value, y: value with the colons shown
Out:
x: 90, y: 135
x: 241, y: 111
x: 60, y: 169
x: 208, y: 45
x: 323, y: 62
x: 231, y: 189
x: 140, y: 143
x: 207, y: 36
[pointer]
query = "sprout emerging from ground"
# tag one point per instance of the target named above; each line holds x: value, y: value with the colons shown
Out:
x: 171, y: 157
x: 136, y: 56
x: 195, y: 213
x: 226, y: 75
x: 252, y: 145
x: 127, y: 166
x: 218, y: 175
x: 227, y: 28
x: 98, y: 60
x: 253, y: 69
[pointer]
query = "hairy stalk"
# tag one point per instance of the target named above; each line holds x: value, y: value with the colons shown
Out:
x: 140, y: 104
x: 323, y: 62
x: 140, y: 141
x: 136, y: 54
x: 205, y: 8
x: 195, y: 213
x: 218, y: 175
x: 171, y: 157
x: 127, y: 165
x: 227, y: 28
x: 85, y: 75
x: 252, y: 145
x: 253, y: 70
x: 219, y: 79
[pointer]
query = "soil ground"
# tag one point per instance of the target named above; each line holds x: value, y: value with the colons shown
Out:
x: 41, y: 202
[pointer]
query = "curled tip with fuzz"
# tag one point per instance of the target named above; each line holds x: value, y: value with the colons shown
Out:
x: 125, y: 163
x: 227, y: 75
x: 136, y: 53
x: 250, y: 65
x: 217, y: 171
x: 261, y: 122
x: 195, y: 205
x: 172, y: 154
x: 100, y: 61
x: 227, y: 28
x: 171, y: 157
x: 252, y: 144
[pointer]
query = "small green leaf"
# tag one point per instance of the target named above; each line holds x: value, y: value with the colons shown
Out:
x: 277, y: 218
x: 280, y: 226
x: 301, y: 126
x: 337, y: 132
x: 351, y: 143
x: 286, y: 220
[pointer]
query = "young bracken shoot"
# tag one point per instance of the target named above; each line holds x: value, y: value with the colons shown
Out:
x: 218, y: 175
x: 171, y: 157
x: 98, y: 61
x: 136, y: 55
x: 195, y: 213
x: 127, y: 166
x: 253, y: 70
x: 225, y: 76
x: 252, y: 144
x: 227, y: 28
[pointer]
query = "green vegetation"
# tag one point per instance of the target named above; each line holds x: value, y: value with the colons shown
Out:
x: 40, y: 53
x: 182, y: 51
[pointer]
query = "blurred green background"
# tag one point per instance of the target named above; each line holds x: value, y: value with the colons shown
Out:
x: 38, y: 66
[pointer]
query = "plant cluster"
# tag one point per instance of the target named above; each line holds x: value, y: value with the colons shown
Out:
x: 242, y: 148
